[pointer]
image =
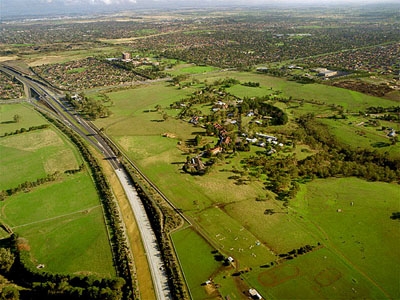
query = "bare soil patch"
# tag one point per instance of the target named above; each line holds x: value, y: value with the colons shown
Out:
x: 6, y: 58
x: 364, y: 87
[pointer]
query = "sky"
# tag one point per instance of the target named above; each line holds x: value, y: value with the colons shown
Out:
x: 51, y: 7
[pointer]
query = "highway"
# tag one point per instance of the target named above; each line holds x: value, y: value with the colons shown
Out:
x: 65, y: 113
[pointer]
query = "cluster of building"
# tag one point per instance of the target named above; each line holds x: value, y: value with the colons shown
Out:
x: 265, y: 138
x: 136, y: 61
x: 378, y: 58
x: 324, y: 72
x: 9, y: 88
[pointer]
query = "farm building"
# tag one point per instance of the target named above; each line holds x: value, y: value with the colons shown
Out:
x: 254, y: 294
x: 324, y: 72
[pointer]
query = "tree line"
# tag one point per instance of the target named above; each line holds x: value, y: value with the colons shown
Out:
x: 332, y: 159
x: 16, y: 265
x: 28, y: 185
x: 338, y: 159
x: 23, y: 130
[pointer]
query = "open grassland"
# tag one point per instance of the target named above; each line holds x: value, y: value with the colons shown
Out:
x: 356, y: 131
x: 353, y: 217
x: 63, y: 245
x: 58, y: 57
x: 198, y: 261
x: 50, y: 200
x: 40, y: 153
x: 61, y: 220
x: 357, y: 256
x: 234, y: 222
x: 64, y: 229
x: 315, y: 275
x: 183, y: 69
x: 28, y: 118
x: 133, y: 108
x: 350, y: 100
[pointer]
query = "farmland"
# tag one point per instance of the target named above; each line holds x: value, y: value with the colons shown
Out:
x: 50, y: 216
x: 230, y: 220
x: 291, y: 175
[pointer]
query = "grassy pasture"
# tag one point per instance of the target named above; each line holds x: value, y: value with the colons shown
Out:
x: 361, y: 234
x: 141, y: 101
x: 234, y: 221
x: 62, y: 246
x: 62, y: 221
x: 59, y: 57
x: 57, y: 198
x: 191, y: 69
x: 315, y: 275
x: 351, y: 100
x: 28, y: 118
x: 64, y: 224
x: 41, y: 152
x: 350, y: 132
x: 197, y: 260
x: 278, y: 231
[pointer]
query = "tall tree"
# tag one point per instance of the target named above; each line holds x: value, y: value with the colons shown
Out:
x: 17, y: 118
x: 6, y: 260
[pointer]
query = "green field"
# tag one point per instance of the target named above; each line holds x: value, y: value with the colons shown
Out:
x: 191, y: 69
x: 374, y: 138
x: 62, y: 221
x: 27, y: 115
x: 234, y: 223
x: 40, y: 152
x: 199, y: 257
x: 362, y: 233
x: 353, y: 243
x: 65, y: 231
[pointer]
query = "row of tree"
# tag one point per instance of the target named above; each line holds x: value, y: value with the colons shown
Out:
x: 28, y: 185
x: 338, y: 159
x: 23, y: 130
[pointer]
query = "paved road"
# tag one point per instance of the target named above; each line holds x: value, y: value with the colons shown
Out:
x: 148, y: 237
x: 85, y: 130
